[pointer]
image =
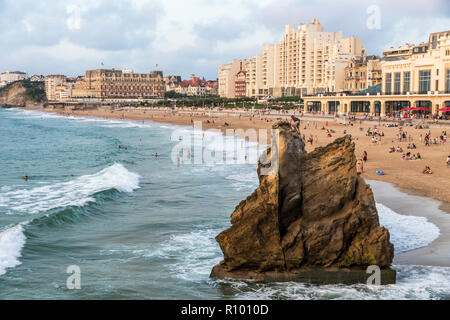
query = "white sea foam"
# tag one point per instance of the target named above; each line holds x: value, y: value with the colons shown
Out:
x: 108, y: 123
x: 12, y: 241
x: 407, y: 232
x: 77, y: 192
x: 193, y: 254
x: 413, y: 283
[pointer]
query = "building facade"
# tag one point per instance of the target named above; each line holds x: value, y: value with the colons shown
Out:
x: 52, y: 82
x: 307, y: 60
x: 240, y: 84
x: 418, y: 77
x: 104, y: 83
x: 362, y: 73
x: 194, y: 87
x: 226, y: 77
x: 9, y: 77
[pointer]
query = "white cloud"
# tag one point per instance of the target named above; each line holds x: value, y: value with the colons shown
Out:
x: 188, y: 36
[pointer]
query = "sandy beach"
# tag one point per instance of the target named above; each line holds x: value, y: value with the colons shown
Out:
x: 406, y: 174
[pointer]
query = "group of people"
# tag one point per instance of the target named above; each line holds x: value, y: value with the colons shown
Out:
x: 428, y: 140
x: 408, y: 156
x: 394, y: 149
x: 360, y: 163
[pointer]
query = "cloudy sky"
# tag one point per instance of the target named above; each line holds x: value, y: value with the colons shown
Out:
x: 191, y: 36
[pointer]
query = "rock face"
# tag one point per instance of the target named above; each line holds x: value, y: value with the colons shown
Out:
x: 313, y: 212
x: 21, y: 94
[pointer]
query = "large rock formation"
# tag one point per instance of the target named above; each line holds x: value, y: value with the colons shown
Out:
x: 22, y: 93
x: 311, y: 213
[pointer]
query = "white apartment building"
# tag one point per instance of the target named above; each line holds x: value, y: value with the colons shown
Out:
x: 306, y: 61
x: 9, y: 77
x: 313, y: 61
x: 226, y: 78
x: 51, y: 84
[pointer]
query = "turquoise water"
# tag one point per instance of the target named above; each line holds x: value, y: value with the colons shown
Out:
x: 140, y: 227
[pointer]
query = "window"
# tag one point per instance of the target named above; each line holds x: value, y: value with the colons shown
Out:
x: 388, y: 88
x: 447, y: 81
x: 406, y: 82
x: 397, y: 83
x: 360, y: 106
x: 424, y: 81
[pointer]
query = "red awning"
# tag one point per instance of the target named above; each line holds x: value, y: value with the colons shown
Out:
x: 446, y: 109
x: 415, y: 109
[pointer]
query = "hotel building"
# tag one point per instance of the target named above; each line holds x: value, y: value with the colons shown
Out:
x: 306, y: 61
x: 9, y: 77
x: 412, y: 77
x: 226, y: 77
x: 104, y: 83
x: 362, y: 73
x: 51, y: 84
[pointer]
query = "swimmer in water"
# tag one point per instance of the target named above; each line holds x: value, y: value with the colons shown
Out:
x: 25, y: 178
x: 156, y: 155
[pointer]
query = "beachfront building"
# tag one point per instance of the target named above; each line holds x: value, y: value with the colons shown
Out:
x: 313, y: 61
x: 194, y: 87
x: 240, y: 84
x: 362, y: 73
x: 226, y: 78
x: 105, y: 83
x: 64, y: 90
x: 37, y: 78
x: 403, y: 51
x: 418, y: 79
x: 262, y: 73
x: 172, y: 82
x: 51, y: 84
x: 211, y: 88
x: 10, y: 77
x: 307, y: 60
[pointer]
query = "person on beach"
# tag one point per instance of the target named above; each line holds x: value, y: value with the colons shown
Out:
x: 427, y: 170
x: 365, y: 156
x: 448, y: 162
x: 359, y: 167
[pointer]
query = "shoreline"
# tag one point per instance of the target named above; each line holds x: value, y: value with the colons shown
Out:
x: 406, y: 176
x: 435, y: 254
x: 390, y: 194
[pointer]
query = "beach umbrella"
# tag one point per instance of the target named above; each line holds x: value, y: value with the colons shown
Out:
x: 415, y: 109
x: 407, y: 109
x: 445, y: 109
x: 295, y: 119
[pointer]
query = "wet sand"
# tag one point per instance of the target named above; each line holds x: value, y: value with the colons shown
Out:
x: 436, y: 254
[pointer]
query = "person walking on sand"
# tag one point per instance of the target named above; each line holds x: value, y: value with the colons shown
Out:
x: 360, y: 166
x: 448, y: 161
x: 365, y: 156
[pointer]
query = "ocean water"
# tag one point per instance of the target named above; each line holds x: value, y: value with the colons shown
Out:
x: 141, y: 227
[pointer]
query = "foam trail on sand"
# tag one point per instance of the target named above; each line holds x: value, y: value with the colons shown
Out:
x: 407, y: 232
x: 77, y: 192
